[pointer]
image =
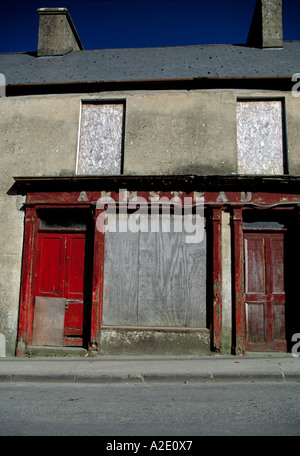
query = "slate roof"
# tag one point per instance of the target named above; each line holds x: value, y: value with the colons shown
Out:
x: 164, y: 63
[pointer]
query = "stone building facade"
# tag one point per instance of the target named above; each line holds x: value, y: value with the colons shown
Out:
x: 150, y: 197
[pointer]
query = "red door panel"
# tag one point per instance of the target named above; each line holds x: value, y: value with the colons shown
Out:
x: 74, y: 282
x: 255, y: 280
x: 256, y: 322
x: 51, y: 262
x: 60, y: 273
x: 276, y: 263
x: 279, y: 321
x: 75, y: 265
x: 264, y: 291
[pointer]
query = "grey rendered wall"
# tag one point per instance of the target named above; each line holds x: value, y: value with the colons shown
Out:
x: 38, y: 136
x: 181, y: 133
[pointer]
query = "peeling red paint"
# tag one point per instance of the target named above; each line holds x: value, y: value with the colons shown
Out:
x: 97, y: 293
x: 238, y: 201
x: 217, y: 279
x: 239, y: 302
x: 27, y: 282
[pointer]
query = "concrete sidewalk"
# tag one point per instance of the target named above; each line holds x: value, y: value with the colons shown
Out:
x: 136, y: 369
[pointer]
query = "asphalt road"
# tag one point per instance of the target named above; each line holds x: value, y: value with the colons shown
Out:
x: 223, y: 409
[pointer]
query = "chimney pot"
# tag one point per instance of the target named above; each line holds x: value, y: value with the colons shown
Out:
x: 57, y: 33
x: 266, y: 26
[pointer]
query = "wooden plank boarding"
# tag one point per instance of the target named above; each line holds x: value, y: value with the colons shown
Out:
x: 154, y: 279
x: 172, y: 278
x: 120, y: 277
x: 48, y: 323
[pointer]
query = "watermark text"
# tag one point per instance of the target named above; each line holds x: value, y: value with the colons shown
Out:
x: 296, y: 87
x: 296, y: 346
x: 161, y: 214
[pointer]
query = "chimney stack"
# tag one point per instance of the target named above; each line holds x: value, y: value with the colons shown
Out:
x: 266, y: 26
x: 57, y: 34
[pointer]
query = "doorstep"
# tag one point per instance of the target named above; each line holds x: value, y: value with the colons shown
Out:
x: 36, y: 350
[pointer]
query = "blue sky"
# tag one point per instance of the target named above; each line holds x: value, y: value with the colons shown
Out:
x: 141, y: 23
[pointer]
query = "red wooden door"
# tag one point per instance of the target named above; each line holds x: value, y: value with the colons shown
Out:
x: 264, y: 291
x: 60, y: 273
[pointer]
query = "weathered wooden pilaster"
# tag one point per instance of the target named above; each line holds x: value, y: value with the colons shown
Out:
x: 97, y: 293
x: 238, y: 282
x: 26, y: 295
x: 217, y: 278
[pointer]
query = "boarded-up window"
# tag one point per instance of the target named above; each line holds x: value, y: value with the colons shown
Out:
x: 154, y: 279
x: 260, y: 137
x: 101, y: 138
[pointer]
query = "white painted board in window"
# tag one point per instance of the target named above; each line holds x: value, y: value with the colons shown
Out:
x: 100, y: 143
x: 260, y: 137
